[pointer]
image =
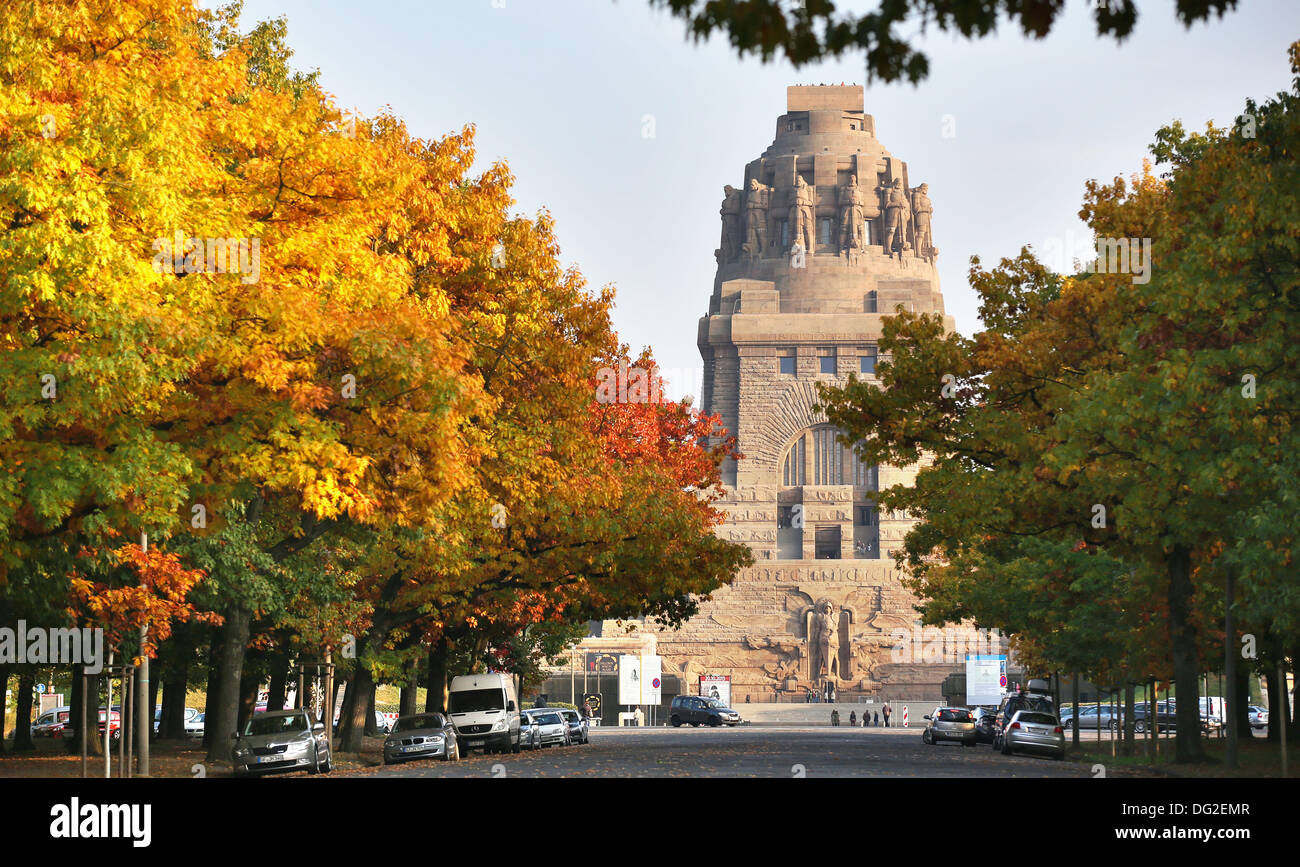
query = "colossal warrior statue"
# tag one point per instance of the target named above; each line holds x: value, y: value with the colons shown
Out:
x: 896, y: 216
x: 823, y: 637
x: 921, y: 211
x: 802, y: 210
x: 730, y: 211
x: 756, y: 218
x: 852, y: 217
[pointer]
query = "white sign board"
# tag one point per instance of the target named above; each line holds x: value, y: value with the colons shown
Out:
x: 640, y: 680
x: 629, y: 679
x: 716, y: 686
x: 985, y: 678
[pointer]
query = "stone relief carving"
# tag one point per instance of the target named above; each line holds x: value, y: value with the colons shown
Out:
x: 896, y: 218
x: 802, y: 213
x: 730, y: 211
x: 852, y: 218
x: 756, y: 202
x: 922, y: 210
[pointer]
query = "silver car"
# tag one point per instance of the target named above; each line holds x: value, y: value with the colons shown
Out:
x: 279, y: 741
x: 1258, y: 716
x: 421, y: 736
x: 551, y: 728
x: 577, y: 726
x: 949, y: 724
x: 1034, y: 730
x: 529, y: 733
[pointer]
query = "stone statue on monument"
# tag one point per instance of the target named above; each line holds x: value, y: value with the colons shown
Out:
x: 824, y: 642
x: 852, y: 218
x: 802, y: 214
x: 896, y: 218
x: 922, y: 210
x: 730, y: 211
x: 756, y: 201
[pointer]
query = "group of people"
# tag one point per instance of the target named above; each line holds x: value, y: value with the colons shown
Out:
x: 868, y: 718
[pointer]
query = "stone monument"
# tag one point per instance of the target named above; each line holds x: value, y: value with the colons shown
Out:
x: 824, y: 603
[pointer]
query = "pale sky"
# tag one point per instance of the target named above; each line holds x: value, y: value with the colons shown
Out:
x: 565, y: 90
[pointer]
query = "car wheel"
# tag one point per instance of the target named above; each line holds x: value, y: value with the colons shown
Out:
x: 676, y: 721
x: 1069, y: 724
x: 329, y: 765
x: 714, y: 722
x: 1140, y: 727
x: 516, y: 746
x: 1114, y: 727
x: 315, y: 762
x: 1006, y: 747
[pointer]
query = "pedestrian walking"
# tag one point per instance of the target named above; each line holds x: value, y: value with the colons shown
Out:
x: 835, y: 717
x: 877, y: 720
x: 886, y: 710
x: 853, y: 718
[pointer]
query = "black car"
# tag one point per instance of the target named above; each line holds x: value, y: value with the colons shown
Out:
x: 1166, y: 718
x: 986, y: 724
x: 697, y: 710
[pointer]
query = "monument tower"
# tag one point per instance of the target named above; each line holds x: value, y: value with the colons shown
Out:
x: 824, y: 237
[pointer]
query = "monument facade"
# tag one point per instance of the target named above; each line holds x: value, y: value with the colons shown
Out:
x: 824, y: 236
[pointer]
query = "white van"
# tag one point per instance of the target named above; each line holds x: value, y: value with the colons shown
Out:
x: 485, y: 711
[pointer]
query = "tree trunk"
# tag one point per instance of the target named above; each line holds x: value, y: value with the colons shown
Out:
x: 210, y: 696
x: 249, y: 686
x: 1240, y: 702
x: 1182, y: 645
x: 88, y: 696
x: 5, y: 668
x: 406, y: 702
x: 175, y: 680
x: 155, y: 684
x: 1130, y: 710
x: 275, y: 693
x: 220, y: 724
x: 352, y: 724
x: 1276, y: 695
x: 435, y: 698
x: 1293, y: 733
x: 372, y: 727
x: 1074, y: 726
x: 23, y: 706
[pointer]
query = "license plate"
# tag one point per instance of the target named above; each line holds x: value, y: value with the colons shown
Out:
x: 475, y: 743
x: 261, y: 759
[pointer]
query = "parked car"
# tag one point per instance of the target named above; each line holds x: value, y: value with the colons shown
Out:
x: 1090, y: 716
x: 1166, y: 718
x: 1258, y: 716
x: 1030, y: 700
x: 421, y: 736
x: 697, y: 710
x: 115, y: 724
x: 485, y: 711
x: 529, y: 734
x: 193, y: 722
x: 986, y: 719
x: 552, y: 730
x: 949, y: 724
x: 577, y: 726
x: 54, y: 723
x: 1034, y: 730
x: 279, y: 741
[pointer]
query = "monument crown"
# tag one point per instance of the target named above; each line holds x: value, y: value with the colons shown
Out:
x: 819, y: 97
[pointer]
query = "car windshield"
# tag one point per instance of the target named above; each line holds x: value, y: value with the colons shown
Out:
x: 423, y: 721
x: 713, y: 702
x: 265, y: 724
x: 550, y: 719
x: 476, y: 701
x: 1038, y: 718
